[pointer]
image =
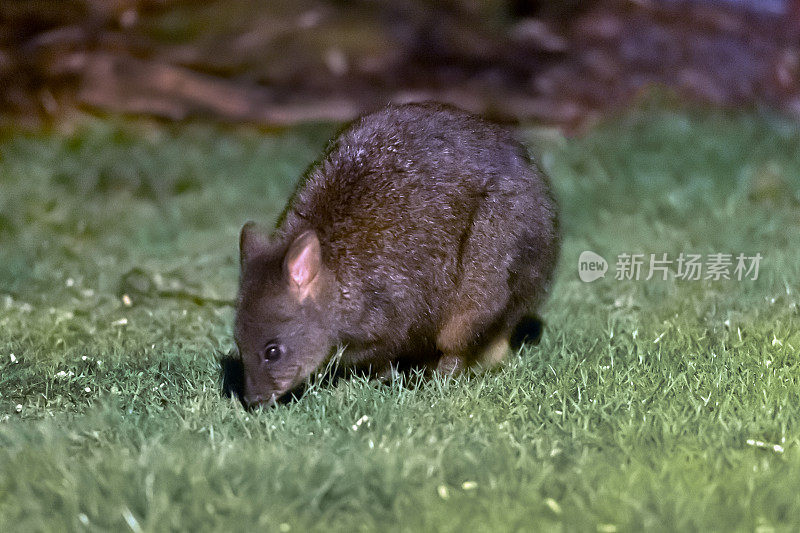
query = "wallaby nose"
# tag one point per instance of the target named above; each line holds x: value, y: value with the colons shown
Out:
x: 257, y: 400
x: 253, y: 400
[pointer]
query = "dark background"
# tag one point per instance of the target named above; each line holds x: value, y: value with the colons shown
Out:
x: 281, y: 62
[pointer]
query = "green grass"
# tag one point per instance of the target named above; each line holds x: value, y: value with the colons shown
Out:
x: 633, y: 413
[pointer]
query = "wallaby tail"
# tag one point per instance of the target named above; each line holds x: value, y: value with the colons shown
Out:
x: 528, y: 331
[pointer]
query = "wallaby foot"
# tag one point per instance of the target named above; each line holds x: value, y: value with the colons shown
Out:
x: 450, y: 365
x: 387, y: 374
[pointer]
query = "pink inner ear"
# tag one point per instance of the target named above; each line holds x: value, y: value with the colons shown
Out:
x: 303, y: 259
x: 300, y: 270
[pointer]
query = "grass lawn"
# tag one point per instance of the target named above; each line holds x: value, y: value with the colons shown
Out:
x: 658, y: 405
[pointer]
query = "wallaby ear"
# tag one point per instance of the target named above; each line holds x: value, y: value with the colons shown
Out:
x: 302, y: 263
x: 252, y: 241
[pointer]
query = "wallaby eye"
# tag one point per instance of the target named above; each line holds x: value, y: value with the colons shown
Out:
x: 272, y: 352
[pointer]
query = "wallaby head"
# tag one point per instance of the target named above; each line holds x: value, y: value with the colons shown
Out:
x: 280, y: 330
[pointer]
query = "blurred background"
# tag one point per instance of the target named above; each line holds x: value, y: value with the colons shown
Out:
x: 282, y: 62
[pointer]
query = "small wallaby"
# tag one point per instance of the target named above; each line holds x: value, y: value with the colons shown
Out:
x: 422, y: 237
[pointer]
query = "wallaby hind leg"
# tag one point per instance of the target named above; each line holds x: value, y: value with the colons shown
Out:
x: 459, y: 346
x: 484, y: 356
x: 494, y: 352
x: 489, y: 295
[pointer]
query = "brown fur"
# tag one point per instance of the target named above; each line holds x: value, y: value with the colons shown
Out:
x: 422, y: 237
